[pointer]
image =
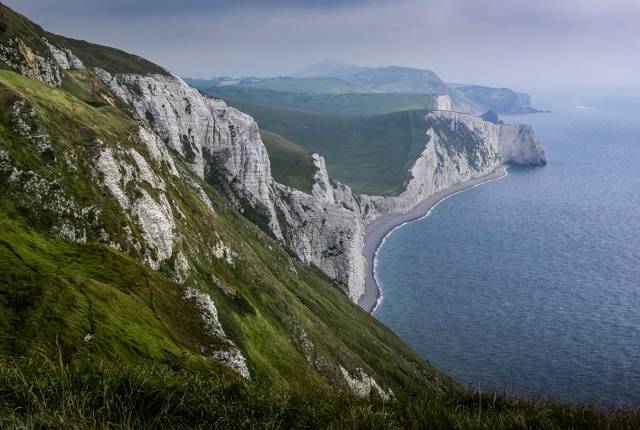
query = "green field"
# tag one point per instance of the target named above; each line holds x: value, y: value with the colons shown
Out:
x: 290, y: 164
x: 309, y: 85
x: 370, y: 153
x: 343, y: 104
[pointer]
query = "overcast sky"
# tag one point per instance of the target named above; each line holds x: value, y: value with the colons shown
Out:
x: 524, y: 44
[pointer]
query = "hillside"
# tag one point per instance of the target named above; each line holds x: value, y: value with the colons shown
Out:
x: 339, y: 104
x: 499, y: 100
x: 370, y: 153
x: 309, y: 85
x: 291, y: 164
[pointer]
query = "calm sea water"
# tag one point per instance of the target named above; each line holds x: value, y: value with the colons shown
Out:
x: 531, y: 283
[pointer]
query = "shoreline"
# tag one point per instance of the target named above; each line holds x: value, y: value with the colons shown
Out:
x: 378, y: 230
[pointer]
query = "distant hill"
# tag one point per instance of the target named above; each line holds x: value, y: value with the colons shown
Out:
x: 499, y: 100
x: 329, y: 68
x: 347, y: 104
x: 309, y: 85
x: 371, y: 153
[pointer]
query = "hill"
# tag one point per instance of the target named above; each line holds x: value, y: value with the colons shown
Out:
x: 291, y: 164
x: 309, y: 85
x: 370, y: 153
x: 329, y: 68
x: 343, y: 104
x: 499, y: 100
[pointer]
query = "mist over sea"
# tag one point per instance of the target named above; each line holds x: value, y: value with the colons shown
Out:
x: 531, y: 283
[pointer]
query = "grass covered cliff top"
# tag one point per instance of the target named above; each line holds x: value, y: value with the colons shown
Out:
x: 100, y: 396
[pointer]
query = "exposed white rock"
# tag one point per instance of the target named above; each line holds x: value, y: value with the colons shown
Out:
x: 363, y: 385
x: 230, y: 355
x: 24, y: 124
x: 64, y: 57
x: 321, y: 188
x: 158, y: 151
x: 114, y: 174
x: 182, y: 267
x: 17, y: 55
x: 222, y: 250
x: 154, y: 216
x: 442, y: 102
x: 144, y: 170
x: 215, y: 139
x: 157, y: 224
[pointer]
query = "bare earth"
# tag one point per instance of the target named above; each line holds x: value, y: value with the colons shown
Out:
x: 378, y: 229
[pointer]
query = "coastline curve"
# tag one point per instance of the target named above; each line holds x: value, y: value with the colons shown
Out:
x: 377, y: 231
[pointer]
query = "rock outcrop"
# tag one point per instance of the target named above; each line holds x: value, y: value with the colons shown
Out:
x: 459, y: 147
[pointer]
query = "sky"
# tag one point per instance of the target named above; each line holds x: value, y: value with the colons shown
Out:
x: 541, y: 44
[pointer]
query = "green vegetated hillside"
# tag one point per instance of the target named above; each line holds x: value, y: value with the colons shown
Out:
x: 291, y: 164
x: 370, y: 153
x: 309, y: 85
x: 340, y: 103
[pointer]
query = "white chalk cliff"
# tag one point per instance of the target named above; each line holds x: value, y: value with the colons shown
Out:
x: 326, y: 228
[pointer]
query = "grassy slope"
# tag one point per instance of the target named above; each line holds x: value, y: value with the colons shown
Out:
x: 99, y: 396
x: 273, y: 296
x: 346, y: 103
x: 290, y: 164
x: 371, y: 153
x: 309, y: 85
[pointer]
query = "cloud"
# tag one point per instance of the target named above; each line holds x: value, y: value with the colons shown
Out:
x: 518, y: 43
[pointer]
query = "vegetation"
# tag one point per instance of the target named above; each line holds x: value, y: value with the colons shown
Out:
x: 343, y: 104
x: 371, y: 153
x: 290, y: 164
x: 54, y: 395
x: 309, y: 85
x: 499, y: 100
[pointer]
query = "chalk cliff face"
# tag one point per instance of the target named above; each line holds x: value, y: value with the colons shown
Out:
x: 223, y: 146
x: 459, y: 147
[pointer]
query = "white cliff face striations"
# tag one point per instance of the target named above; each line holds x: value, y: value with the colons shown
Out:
x: 325, y: 228
x: 223, y: 146
x: 459, y: 147
x: 219, y: 143
x: 226, y: 352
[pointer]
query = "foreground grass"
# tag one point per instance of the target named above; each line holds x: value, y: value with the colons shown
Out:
x: 97, y: 396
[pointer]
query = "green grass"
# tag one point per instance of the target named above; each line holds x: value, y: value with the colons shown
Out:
x: 309, y: 85
x: 290, y: 164
x: 370, y: 153
x: 343, y: 104
x: 54, y: 395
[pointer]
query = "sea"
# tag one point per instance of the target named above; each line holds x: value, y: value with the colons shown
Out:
x: 530, y: 284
